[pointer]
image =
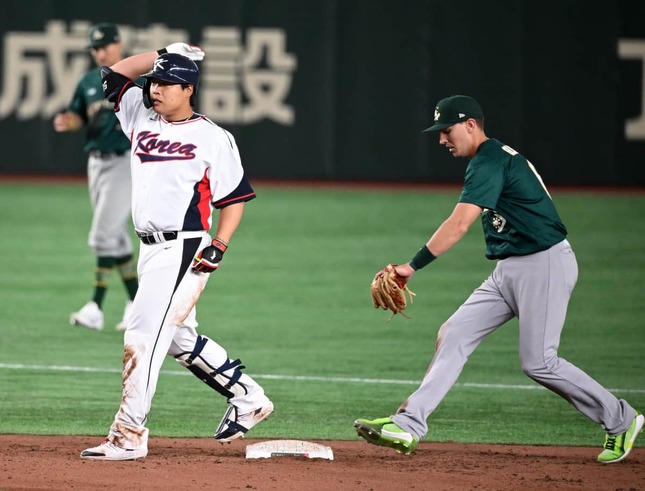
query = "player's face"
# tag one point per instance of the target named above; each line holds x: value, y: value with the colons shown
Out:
x: 458, y: 139
x: 172, y: 101
x: 107, y: 55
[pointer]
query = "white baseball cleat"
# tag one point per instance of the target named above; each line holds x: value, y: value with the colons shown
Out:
x: 125, y: 322
x: 234, y: 425
x: 90, y: 316
x: 109, y: 451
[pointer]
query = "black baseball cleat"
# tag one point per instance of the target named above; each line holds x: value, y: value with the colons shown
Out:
x: 234, y: 425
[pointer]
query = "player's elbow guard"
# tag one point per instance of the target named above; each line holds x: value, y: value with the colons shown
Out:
x: 111, y: 81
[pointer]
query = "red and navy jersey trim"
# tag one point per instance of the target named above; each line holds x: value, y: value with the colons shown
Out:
x: 243, y: 192
x: 199, y: 210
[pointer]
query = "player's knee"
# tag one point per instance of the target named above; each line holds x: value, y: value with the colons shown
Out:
x: 448, y: 337
x: 224, y: 378
x: 539, y: 367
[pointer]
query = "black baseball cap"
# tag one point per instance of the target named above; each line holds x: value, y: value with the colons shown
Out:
x: 103, y: 34
x: 453, y: 110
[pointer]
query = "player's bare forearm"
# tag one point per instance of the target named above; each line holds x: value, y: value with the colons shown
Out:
x: 135, y: 66
x: 454, y: 228
x: 229, y: 219
x: 447, y: 235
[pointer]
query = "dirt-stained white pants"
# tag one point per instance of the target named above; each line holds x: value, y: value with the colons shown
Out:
x: 163, y: 322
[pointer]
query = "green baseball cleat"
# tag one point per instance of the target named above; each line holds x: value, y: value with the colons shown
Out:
x: 385, y: 433
x: 617, y: 447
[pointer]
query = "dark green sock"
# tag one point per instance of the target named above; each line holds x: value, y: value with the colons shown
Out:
x: 104, y: 266
x: 128, y: 272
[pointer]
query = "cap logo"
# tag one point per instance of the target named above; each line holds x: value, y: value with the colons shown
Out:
x: 437, y: 114
x: 158, y: 66
x: 461, y: 115
x: 98, y: 35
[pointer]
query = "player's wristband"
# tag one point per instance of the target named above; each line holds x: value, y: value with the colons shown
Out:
x: 422, y: 258
x: 162, y: 51
x: 219, y: 244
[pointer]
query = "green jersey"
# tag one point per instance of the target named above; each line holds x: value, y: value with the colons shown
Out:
x: 103, y: 131
x: 519, y: 216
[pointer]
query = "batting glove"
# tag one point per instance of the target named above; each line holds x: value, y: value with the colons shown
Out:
x: 209, y: 257
x: 194, y: 53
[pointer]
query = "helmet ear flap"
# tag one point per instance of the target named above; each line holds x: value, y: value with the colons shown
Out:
x: 147, y: 101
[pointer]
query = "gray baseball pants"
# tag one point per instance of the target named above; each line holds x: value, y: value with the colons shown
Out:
x: 536, y: 289
x: 110, y: 187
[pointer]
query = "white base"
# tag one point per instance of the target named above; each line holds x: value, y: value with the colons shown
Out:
x: 288, y: 448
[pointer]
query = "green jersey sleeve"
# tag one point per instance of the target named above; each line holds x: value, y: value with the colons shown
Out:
x: 518, y: 217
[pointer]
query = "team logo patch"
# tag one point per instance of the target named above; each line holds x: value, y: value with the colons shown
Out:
x: 498, y: 221
x: 437, y: 114
x: 150, y: 149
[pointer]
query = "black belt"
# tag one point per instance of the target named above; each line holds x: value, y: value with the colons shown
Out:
x: 106, y: 155
x: 156, y: 237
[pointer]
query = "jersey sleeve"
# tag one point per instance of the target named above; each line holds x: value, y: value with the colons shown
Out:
x: 483, y: 183
x: 243, y: 192
x: 228, y: 183
x: 77, y: 104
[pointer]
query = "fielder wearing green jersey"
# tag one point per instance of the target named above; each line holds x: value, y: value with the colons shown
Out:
x: 533, y: 279
x: 108, y: 173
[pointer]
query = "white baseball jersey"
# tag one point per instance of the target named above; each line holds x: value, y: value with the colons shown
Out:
x: 180, y: 169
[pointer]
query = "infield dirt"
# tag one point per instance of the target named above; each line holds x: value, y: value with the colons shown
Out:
x: 52, y: 462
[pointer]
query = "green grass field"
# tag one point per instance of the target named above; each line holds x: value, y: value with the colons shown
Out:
x: 292, y: 301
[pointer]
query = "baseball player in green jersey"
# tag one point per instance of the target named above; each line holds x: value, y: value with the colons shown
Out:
x: 108, y: 172
x: 533, y: 279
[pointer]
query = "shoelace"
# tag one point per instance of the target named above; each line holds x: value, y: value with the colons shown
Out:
x: 610, y: 442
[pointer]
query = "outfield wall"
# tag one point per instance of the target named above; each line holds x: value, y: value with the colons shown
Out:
x: 341, y: 89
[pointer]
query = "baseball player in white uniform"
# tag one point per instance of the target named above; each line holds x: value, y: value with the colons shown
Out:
x: 183, y: 165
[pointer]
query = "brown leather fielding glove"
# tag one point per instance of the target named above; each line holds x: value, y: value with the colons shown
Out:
x: 389, y: 290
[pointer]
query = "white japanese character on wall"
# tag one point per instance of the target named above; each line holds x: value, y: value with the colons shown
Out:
x: 40, y: 69
x: 240, y: 83
x: 245, y: 84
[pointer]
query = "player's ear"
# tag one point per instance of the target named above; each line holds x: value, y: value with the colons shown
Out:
x: 191, y: 97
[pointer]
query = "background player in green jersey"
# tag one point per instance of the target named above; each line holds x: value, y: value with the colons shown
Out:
x: 108, y: 172
x: 533, y: 279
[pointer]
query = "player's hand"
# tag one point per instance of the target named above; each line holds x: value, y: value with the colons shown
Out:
x: 209, y: 257
x: 67, y: 121
x: 195, y: 53
x: 405, y: 271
